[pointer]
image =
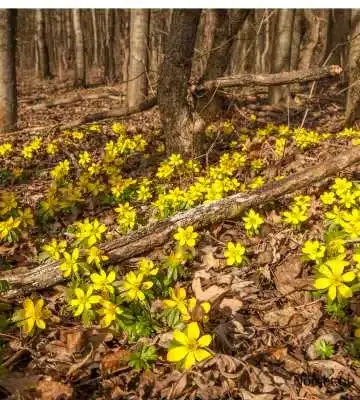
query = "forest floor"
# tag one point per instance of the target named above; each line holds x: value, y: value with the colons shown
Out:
x: 273, y: 335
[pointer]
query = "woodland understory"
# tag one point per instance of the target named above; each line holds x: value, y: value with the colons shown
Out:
x: 180, y: 237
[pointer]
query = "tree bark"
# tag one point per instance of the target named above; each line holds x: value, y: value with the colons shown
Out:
x: 109, y: 70
x: 95, y: 37
x: 25, y: 281
x: 80, y: 70
x: 8, y: 98
x: 353, y: 96
x: 296, y: 39
x: 43, y: 51
x: 175, y: 112
x: 137, y: 72
x: 281, y: 53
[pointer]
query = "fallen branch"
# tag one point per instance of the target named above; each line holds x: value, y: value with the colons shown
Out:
x: 115, y: 113
x: 281, y: 78
x: 48, y: 274
x: 74, y: 99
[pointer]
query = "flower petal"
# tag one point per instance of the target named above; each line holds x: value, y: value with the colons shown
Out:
x: 322, y: 283
x: 189, y: 360
x: 193, y: 331
x: 345, y: 291
x: 176, y: 354
x: 201, y: 354
x: 348, y: 276
x: 79, y: 310
x: 40, y: 324
x: 180, y: 337
x: 332, y: 292
x: 204, y: 341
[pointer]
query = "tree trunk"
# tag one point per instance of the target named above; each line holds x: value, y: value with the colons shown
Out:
x: 8, y: 101
x: 296, y: 39
x: 281, y: 53
x: 95, y: 37
x: 175, y: 112
x: 137, y: 72
x: 43, y: 51
x: 353, y: 97
x: 109, y: 70
x: 60, y: 45
x: 315, y: 40
x: 125, y: 44
x: 80, y: 72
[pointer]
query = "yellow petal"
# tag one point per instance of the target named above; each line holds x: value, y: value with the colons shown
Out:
x: 180, y: 337
x: 189, y: 360
x: 345, y: 291
x: 28, y: 325
x: 79, y: 310
x: 169, y: 303
x: 193, y: 331
x: 205, y: 306
x: 181, y: 294
x: 28, y: 306
x: 325, y: 270
x: 201, y: 354
x: 147, y: 285
x: 204, y: 341
x: 176, y: 354
x: 40, y: 324
x: 322, y: 283
x: 111, y: 277
x: 348, y: 276
x: 79, y: 293
x: 332, y: 292
x: 39, y: 306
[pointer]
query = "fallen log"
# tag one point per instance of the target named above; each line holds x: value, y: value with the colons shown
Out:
x: 281, y: 78
x: 156, y: 234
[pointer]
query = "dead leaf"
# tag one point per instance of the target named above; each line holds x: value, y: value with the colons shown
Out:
x: 50, y: 390
x: 74, y: 340
x: 210, y: 294
x: 115, y: 360
x: 209, y: 261
x: 233, y: 304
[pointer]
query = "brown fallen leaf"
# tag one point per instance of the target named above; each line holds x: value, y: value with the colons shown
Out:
x: 209, y: 261
x: 115, y: 360
x: 48, y: 389
x: 210, y: 294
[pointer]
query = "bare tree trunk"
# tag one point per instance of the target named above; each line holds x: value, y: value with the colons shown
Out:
x: 296, y: 39
x: 80, y: 72
x: 281, y: 53
x: 8, y: 101
x: 137, y: 71
x: 109, y: 71
x: 353, y: 97
x: 125, y: 44
x: 175, y: 112
x: 60, y: 45
x: 95, y: 37
x: 43, y: 51
x: 315, y: 40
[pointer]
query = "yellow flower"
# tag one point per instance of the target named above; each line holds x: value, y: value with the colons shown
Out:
x: 26, y: 217
x: 52, y: 149
x: 133, y: 286
x: 256, y: 183
x: 328, y: 198
x: 177, y: 300
x: 313, y: 250
x: 89, y: 233
x: 84, y: 158
x: 84, y: 302
x: 143, y: 193
x: 55, y: 249
x: 234, y: 253
x: 5, y: 149
x: 109, y: 311
x: 186, y: 237
x: 94, y: 256
x: 341, y: 185
x: 253, y: 221
x: 188, y: 346
x: 8, y: 227
x: 146, y: 267
x: 332, y: 278
x: 7, y: 203
x: 103, y: 282
x: 71, y: 264
x: 31, y: 315
x: 126, y: 217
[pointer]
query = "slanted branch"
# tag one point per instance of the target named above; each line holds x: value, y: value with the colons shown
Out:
x: 156, y: 234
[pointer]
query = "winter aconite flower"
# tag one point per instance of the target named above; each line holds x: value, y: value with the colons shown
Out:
x: 186, y: 237
x: 333, y: 279
x: 234, y: 253
x: 133, y: 286
x: 103, y: 282
x: 89, y: 233
x: 188, y: 347
x: 177, y: 300
x: 55, y: 249
x: 313, y: 250
x: 109, y: 311
x: 32, y: 314
x: 95, y: 256
x: 84, y: 301
x: 147, y: 268
x: 253, y: 221
x: 71, y: 263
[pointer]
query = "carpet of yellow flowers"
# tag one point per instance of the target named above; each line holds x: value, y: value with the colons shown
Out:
x: 264, y: 307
